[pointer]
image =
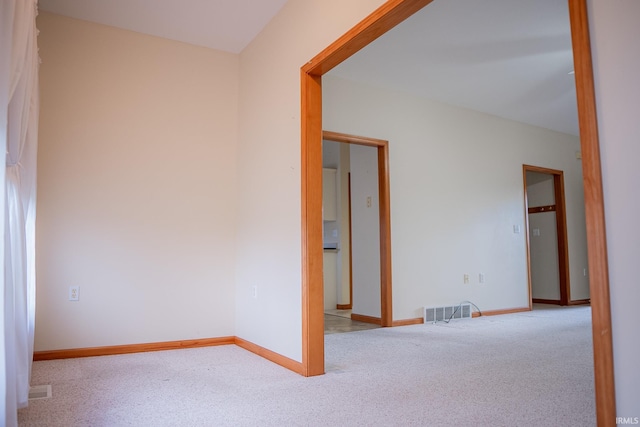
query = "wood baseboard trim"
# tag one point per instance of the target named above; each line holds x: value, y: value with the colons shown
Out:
x: 344, y: 306
x: 407, y: 322
x: 499, y: 312
x: 546, y: 301
x: 132, y: 348
x: 580, y: 302
x: 272, y: 356
x: 169, y: 345
x: 366, y: 319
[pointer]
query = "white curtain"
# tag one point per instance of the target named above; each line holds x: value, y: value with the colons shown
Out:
x: 20, y: 201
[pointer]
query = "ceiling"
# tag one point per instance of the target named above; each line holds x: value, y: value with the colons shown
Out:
x: 509, y: 58
x: 227, y: 25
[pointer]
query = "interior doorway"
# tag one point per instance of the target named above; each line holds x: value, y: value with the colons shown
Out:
x: 372, y: 268
x: 548, y: 253
x: 380, y: 21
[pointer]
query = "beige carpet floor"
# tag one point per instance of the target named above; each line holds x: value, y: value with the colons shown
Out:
x: 526, y: 369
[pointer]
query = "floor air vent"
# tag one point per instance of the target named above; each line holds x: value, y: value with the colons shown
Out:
x: 447, y: 313
x: 40, y: 392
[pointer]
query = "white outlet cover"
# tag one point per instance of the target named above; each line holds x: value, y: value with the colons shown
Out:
x: 74, y: 293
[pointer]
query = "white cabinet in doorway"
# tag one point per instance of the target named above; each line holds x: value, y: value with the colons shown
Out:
x: 329, y: 195
x: 330, y: 279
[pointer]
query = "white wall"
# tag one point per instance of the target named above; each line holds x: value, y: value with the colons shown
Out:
x: 269, y: 176
x: 543, y: 238
x: 330, y: 154
x: 614, y: 38
x: 136, y: 188
x: 456, y: 193
x: 331, y: 160
x: 365, y: 230
x: 344, y: 278
x: 543, y: 249
x: 270, y: 119
x: 336, y: 155
x: 330, y: 278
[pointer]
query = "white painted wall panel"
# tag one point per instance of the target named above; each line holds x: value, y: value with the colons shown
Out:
x: 543, y: 238
x: 365, y: 230
x: 543, y: 245
x: 269, y: 213
x: 456, y: 193
x: 614, y: 38
x: 136, y: 188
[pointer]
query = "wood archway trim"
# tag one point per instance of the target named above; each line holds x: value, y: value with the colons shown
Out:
x: 379, y: 22
x: 373, y: 26
x: 382, y: 146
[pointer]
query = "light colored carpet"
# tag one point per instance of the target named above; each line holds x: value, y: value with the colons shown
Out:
x: 526, y: 369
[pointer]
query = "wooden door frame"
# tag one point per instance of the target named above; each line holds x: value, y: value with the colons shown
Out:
x: 382, y: 147
x: 561, y: 230
x: 387, y: 16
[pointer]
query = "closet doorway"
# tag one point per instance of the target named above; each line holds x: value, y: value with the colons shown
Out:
x: 548, y: 253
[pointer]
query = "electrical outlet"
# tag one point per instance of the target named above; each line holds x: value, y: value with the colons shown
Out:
x: 465, y: 279
x: 481, y: 278
x: 254, y: 291
x: 74, y: 293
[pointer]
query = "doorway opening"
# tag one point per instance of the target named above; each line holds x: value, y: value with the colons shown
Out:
x: 386, y: 17
x: 548, y: 249
x: 361, y: 174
